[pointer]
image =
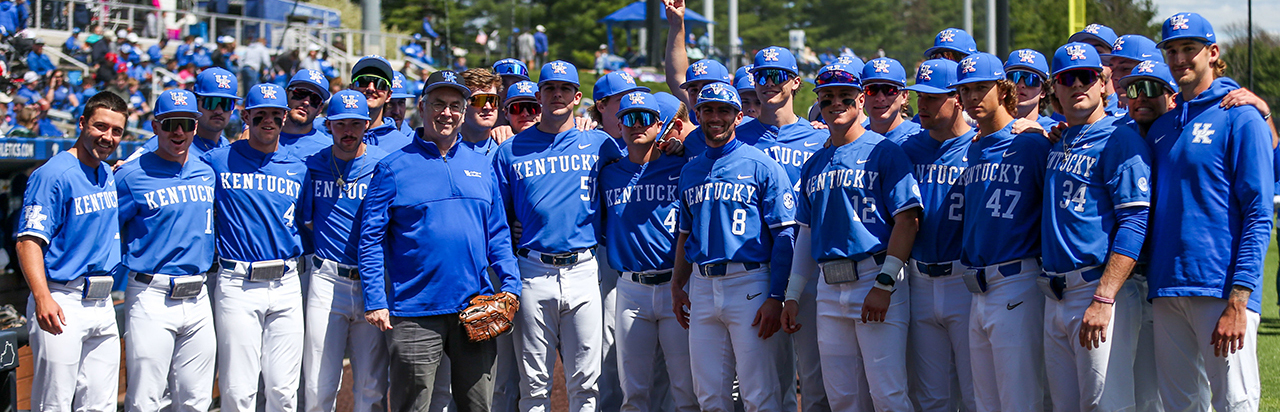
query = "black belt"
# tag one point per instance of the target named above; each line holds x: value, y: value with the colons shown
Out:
x: 713, y: 270
x: 143, y: 277
x: 935, y: 270
x: 650, y: 279
x: 352, y: 273
x: 561, y: 259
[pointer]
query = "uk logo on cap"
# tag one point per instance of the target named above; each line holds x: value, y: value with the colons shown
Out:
x: 636, y: 98
x: 947, y: 36
x: 396, y: 83
x: 1179, y: 22
x: 450, y: 77
x: 268, y: 92
x: 179, y: 99
x: 350, y: 101
x: 1026, y: 56
x: 844, y: 60
x: 882, y: 66
x: 1119, y: 44
x: 770, y: 55
x: 316, y: 76
x: 627, y: 77
x: 700, y: 68
x: 224, y: 81
x: 924, y: 73
x: 1146, y: 66
x: 967, y: 65
x: 525, y: 87
x: 1092, y: 28
x: 1076, y: 52
x: 559, y: 67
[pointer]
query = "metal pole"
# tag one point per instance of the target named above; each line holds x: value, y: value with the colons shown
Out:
x: 372, y: 26
x: 1004, y: 39
x: 1250, y: 44
x: 708, y: 11
x: 735, y: 46
x: 968, y: 16
x: 991, y: 27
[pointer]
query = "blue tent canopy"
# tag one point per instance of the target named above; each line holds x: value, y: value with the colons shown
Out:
x: 633, y: 15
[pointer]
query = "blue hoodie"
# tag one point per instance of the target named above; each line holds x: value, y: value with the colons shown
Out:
x: 8, y: 18
x: 1211, y: 215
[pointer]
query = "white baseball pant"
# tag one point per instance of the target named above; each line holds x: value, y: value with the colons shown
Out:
x: 170, y: 348
x: 1191, y: 377
x: 645, y: 323
x: 260, y: 334
x: 78, y: 369
x: 939, y: 336
x: 722, y: 311
x: 1006, y: 340
x: 1098, y: 379
x: 559, y: 308
x: 813, y: 396
x: 609, y: 384
x: 1146, y: 387
x: 334, y: 323
x: 866, y: 362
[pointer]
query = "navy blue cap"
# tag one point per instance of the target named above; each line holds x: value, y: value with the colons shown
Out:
x: 375, y: 65
x: 559, y: 71
x: 521, y: 91
x: 743, y: 79
x: 1134, y: 47
x: 638, y: 101
x: 953, y: 39
x: 446, y: 78
x: 266, y: 95
x: 935, y: 77
x: 979, y: 67
x: 1187, y: 26
x: 1076, y: 55
x: 398, y: 89
x: 774, y: 57
x: 668, y: 107
x: 176, y: 101
x: 348, y: 104
x: 884, y: 70
x: 312, y: 79
x: 719, y: 92
x: 705, y: 70
x: 615, y: 83
x: 1096, y: 32
x: 854, y: 70
x: 217, y: 82
x: 1029, y: 60
x: 511, y: 67
x: 1153, y: 70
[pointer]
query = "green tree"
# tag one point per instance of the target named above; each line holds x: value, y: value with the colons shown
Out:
x: 1266, y: 62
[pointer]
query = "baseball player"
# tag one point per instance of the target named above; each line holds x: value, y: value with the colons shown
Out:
x: 68, y: 245
x: 859, y: 212
x: 938, y: 349
x: 1098, y: 189
x: 511, y: 71
x: 951, y: 44
x: 638, y: 222
x: 372, y: 76
x: 560, y: 304
x: 216, y: 98
x: 307, y: 92
x: 1213, y: 189
x: 482, y: 111
x: 1102, y: 38
x: 1002, y: 187
x: 258, y: 296
x: 166, y: 218
x: 746, y: 85
x: 1127, y: 51
x: 737, y: 214
x: 398, y: 106
x: 883, y: 79
x: 791, y: 141
x: 337, y: 181
x: 1029, y: 71
x: 521, y: 106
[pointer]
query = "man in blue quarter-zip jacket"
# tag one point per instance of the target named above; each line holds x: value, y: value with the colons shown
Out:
x: 424, y: 247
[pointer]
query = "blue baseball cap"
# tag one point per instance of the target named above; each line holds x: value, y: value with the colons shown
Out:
x: 176, y: 101
x: 852, y: 63
x: 1029, y: 60
x: 511, y: 67
x: 668, y: 107
x: 884, y: 70
x: 638, y: 101
x: 842, y: 75
x: 615, y: 83
x: 953, y: 39
x: 398, y: 89
x: 348, y: 104
x: 375, y: 65
x: 1096, y: 32
x: 1152, y: 70
x: 705, y: 70
x: 719, y: 92
x: 774, y: 57
x: 1076, y: 55
x: 264, y: 96
x: 1187, y: 26
x: 217, y: 82
x: 935, y: 77
x: 312, y: 79
x: 559, y: 71
x: 979, y: 67
x: 521, y: 91
x: 743, y: 80
x: 1134, y: 47
x: 446, y: 78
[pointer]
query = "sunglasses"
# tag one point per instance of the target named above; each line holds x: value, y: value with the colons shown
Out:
x: 480, y: 100
x: 777, y: 76
x: 509, y: 69
x: 215, y: 103
x: 887, y: 89
x: 1144, y: 88
x: 528, y: 108
x: 173, y: 124
x: 1069, y: 77
x: 1025, y: 77
x: 302, y: 94
x: 639, y: 118
x: 369, y: 80
x: 837, y: 77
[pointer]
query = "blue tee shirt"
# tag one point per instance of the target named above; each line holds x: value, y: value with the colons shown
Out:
x: 256, y: 201
x: 305, y: 145
x: 546, y: 182
x: 938, y: 170
x: 166, y: 215
x: 1003, y: 186
x: 72, y: 207
x: 639, y: 212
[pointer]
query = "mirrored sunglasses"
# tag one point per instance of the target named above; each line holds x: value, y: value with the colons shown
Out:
x: 1025, y: 77
x: 1069, y: 77
x: 639, y: 118
x: 478, y: 101
x: 173, y: 124
x: 365, y: 80
x: 777, y: 76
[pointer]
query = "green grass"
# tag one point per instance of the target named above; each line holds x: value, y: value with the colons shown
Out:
x: 1269, y: 335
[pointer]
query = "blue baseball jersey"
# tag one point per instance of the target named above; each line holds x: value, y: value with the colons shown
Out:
x: 939, y: 167
x: 792, y: 145
x: 387, y: 137
x: 1047, y: 122
x: 903, y: 131
x: 1113, y: 106
x: 546, y: 182
x: 639, y: 212
x: 331, y: 209
x: 849, y: 195
x: 304, y: 145
x: 730, y: 196
x: 1094, y: 170
x: 166, y: 215
x: 73, y: 208
x: 255, y: 201
x: 749, y: 131
x: 1003, y: 186
x: 695, y: 143
x: 487, y: 147
x: 1211, y: 217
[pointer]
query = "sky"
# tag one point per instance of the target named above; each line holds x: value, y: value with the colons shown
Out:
x: 1221, y: 13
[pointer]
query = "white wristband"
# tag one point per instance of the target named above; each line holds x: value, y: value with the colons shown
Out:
x: 892, y: 267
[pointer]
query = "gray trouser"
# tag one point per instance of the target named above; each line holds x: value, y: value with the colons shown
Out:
x: 417, y: 345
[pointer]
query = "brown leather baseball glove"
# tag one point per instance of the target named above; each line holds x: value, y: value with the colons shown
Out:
x: 488, y: 316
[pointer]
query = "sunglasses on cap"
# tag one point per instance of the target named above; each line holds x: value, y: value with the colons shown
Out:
x: 511, y: 69
x: 1025, y: 77
x: 300, y: 94
x: 1144, y: 88
x: 777, y: 76
x: 886, y: 89
x: 370, y: 80
x: 836, y: 76
x: 173, y: 124
x: 639, y: 118
x: 529, y: 108
x: 1069, y: 77
x: 480, y: 100
x: 215, y: 103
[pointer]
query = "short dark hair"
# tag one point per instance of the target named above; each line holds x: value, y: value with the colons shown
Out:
x: 104, y: 100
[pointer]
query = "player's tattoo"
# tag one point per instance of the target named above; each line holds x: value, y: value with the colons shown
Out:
x: 1239, y: 294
